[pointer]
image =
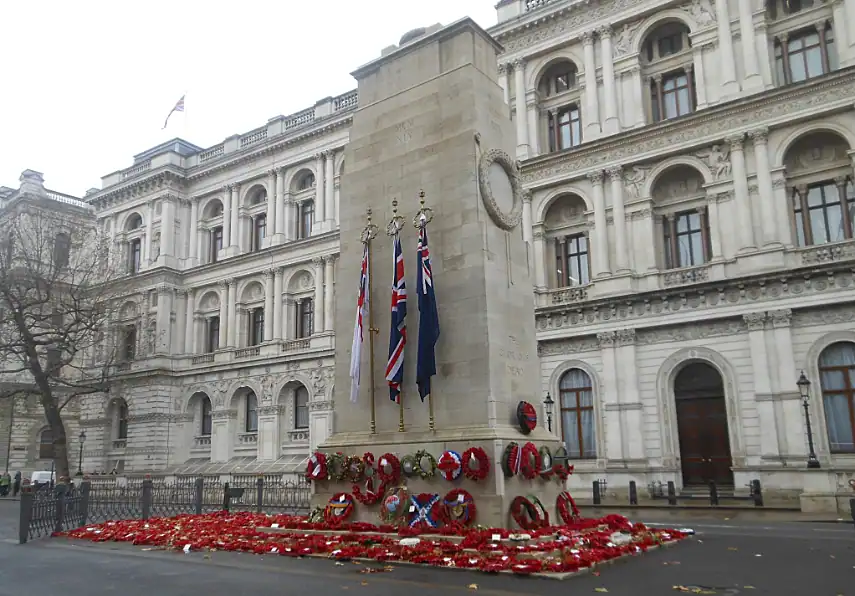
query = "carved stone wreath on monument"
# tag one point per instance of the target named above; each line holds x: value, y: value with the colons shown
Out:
x: 501, y: 190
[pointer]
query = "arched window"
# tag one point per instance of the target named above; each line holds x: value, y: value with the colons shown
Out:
x: 306, y: 182
x: 205, y: 417
x: 837, y: 378
x: 668, y: 65
x: 46, y: 444
x: 567, y: 230
x: 577, y: 413
x: 134, y: 222
x: 558, y: 78
x: 251, y: 425
x: 301, y: 407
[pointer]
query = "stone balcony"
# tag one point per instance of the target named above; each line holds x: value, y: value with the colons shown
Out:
x: 300, y: 435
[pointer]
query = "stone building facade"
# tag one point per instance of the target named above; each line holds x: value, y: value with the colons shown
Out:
x: 690, y: 168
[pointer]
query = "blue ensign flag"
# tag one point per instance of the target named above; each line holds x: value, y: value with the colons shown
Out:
x: 428, y: 318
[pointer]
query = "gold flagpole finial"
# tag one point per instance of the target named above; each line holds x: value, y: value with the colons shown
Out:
x: 424, y: 215
x: 396, y: 224
x: 369, y: 232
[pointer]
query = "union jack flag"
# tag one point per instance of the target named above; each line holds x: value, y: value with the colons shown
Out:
x: 398, y: 331
x: 428, y: 318
x: 361, y: 310
x: 179, y: 107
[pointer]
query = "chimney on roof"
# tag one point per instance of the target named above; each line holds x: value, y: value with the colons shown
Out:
x: 32, y: 183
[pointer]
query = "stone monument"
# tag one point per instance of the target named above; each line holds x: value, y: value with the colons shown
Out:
x: 432, y: 116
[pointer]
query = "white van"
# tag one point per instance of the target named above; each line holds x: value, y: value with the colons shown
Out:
x: 42, y: 477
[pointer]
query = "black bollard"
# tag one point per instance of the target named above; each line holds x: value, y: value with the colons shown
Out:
x: 757, y: 493
x: 633, y: 493
x: 227, y: 497
x: 596, y: 491
x: 852, y: 509
x: 672, y: 493
x: 713, y: 494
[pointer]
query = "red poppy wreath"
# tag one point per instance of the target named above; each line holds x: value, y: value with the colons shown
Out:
x: 525, y: 514
x: 566, y: 506
x: 338, y: 509
x: 476, y: 464
x: 316, y: 469
x: 529, y: 461
x: 388, y: 468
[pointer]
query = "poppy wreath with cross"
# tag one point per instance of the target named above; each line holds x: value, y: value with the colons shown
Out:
x: 529, y: 461
x: 478, y: 456
x: 370, y: 496
x: 316, y: 469
x: 450, y: 465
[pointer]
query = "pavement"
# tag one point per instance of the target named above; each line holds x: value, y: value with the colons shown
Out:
x: 735, y: 558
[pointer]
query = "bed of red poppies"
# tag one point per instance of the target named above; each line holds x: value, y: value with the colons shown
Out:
x: 554, y: 549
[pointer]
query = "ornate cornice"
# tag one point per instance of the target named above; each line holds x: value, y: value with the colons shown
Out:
x: 699, y: 130
x: 699, y: 300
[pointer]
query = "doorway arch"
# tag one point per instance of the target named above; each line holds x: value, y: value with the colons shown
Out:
x: 702, y: 426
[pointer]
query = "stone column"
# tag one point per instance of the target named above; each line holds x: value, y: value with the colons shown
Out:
x: 225, y: 287
x: 504, y: 83
x: 272, y: 178
x: 850, y: 20
x: 181, y: 316
x: 730, y: 88
x: 715, y: 223
x: 629, y: 397
x: 612, y: 123
x: 164, y: 318
x: 647, y: 238
x: 759, y: 138
x: 752, y: 80
x: 190, y: 318
x: 287, y: 217
x: 233, y: 323
x: 533, y: 128
x: 539, y: 258
x: 269, y: 297
x: 329, y: 292
x: 320, y: 188
x: 601, y: 238
x: 637, y: 96
x: 526, y: 217
x: 521, y: 117
x: 700, y: 76
x: 619, y: 215
x: 234, y: 224
x: 167, y: 227
x: 762, y: 383
x: 290, y: 318
x: 613, y: 423
x: 592, y: 117
x: 788, y: 407
x: 277, y: 303
x: 227, y: 216
x: 842, y: 40
x: 149, y: 234
x: 194, y: 229
x: 329, y: 179
x: 782, y: 210
x: 198, y: 339
x: 740, y: 188
x: 280, y: 207
x: 318, y: 301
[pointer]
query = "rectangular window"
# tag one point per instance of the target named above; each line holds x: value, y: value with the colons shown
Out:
x: 306, y: 219
x: 686, y: 238
x: 251, y: 425
x: 123, y: 422
x: 573, y: 268
x: 212, y: 342
x: 259, y: 231
x: 565, y: 128
x: 134, y: 256
x: 671, y: 44
x: 61, y: 250
x: 206, y: 418
x: 673, y: 96
x: 301, y: 408
x: 305, y: 318
x: 805, y: 55
x: 216, y: 243
x: 129, y: 343
x: 256, y: 326
x: 820, y: 215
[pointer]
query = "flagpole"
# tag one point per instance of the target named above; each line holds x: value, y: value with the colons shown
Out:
x: 369, y: 232
x: 394, y: 228
x: 422, y: 218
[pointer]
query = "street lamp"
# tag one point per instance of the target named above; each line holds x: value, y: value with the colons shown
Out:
x: 82, y: 438
x: 548, y: 403
x: 804, y: 390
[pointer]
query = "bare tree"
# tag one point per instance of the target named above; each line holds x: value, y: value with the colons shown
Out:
x: 57, y: 288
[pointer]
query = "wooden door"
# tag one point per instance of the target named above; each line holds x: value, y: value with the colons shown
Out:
x: 704, y: 442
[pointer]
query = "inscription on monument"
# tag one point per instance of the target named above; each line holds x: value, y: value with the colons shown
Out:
x: 404, y: 132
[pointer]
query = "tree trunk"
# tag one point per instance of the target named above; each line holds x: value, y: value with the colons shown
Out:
x: 60, y: 443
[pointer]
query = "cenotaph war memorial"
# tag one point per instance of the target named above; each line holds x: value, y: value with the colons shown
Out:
x: 429, y: 162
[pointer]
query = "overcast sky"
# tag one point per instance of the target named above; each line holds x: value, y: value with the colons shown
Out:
x: 88, y: 84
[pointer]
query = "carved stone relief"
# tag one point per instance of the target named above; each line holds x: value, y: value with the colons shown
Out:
x: 501, y: 191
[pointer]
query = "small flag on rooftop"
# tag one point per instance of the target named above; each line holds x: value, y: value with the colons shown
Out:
x: 179, y: 107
